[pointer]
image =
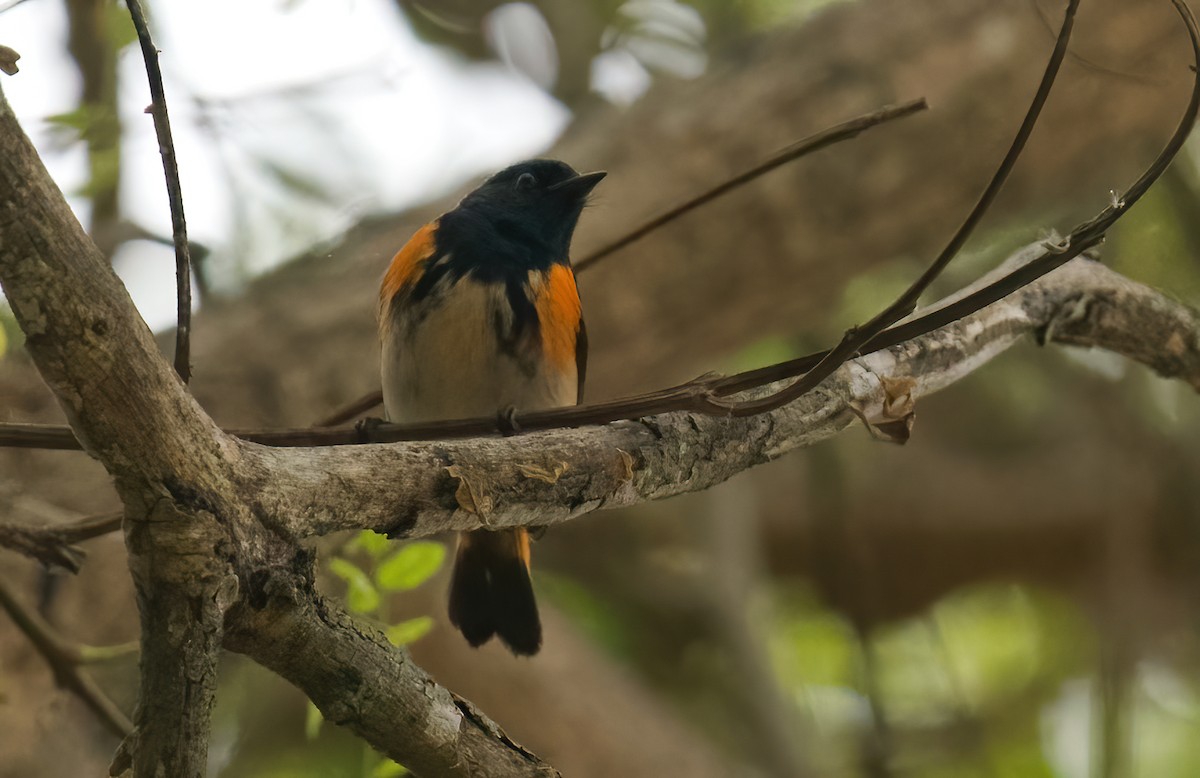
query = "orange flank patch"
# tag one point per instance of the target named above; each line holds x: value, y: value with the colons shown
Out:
x: 406, y: 265
x: 558, y: 315
x: 523, y: 546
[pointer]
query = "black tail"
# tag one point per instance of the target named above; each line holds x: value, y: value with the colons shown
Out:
x: 491, y: 593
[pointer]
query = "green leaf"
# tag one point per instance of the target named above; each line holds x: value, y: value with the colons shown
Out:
x: 10, y: 332
x: 409, y: 631
x: 105, y: 172
x: 389, y: 769
x: 411, y: 566
x: 361, y: 594
x: 72, y: 124
x: 371, y: 542
x: 119, y: 27
x: 312, y: 722
x: 94, y: 121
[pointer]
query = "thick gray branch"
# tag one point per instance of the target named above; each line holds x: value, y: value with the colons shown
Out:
x: 359, y: 680
x: 415, y: 489
x: 191, y: 530
x: 130, y: 411
x: 127, y: 407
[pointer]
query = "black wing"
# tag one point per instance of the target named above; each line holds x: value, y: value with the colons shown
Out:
x: 581, y: 346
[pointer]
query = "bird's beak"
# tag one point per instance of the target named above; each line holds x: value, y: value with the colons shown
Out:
x: 580, y: 185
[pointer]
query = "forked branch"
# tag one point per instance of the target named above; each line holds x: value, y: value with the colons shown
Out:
x: 706, y: 395
x: 541, y: 478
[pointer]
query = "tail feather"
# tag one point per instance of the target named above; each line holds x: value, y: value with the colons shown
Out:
x: 470, y: 593
x: 491, y: 592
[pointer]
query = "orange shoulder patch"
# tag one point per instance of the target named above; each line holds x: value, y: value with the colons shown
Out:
x: 405, y: 268
x: 558, y: 315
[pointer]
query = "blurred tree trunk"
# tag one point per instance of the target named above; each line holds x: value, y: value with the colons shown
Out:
x: 92, y: 43
x: 773, y: 258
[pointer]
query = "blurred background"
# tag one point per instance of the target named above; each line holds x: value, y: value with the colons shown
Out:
x: 1013, y: 593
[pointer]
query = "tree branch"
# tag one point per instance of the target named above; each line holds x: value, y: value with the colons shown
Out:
x: 190, y: 529
x: 857, y: 337
x: 52, y: 545
x: 201, y: 507
x: 845, y: 131
x: 542, y: 478
x: 359, y: 680
x: 707, y: 395
x: 64, y: 661
x: 85, y: 335
x: 166, y: 147
x: 132, y: 413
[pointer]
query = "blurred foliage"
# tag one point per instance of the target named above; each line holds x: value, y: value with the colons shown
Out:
x: 590, y: 612
x: 370, y: 569
x: 8, y: 327
x: 983, y: 684
x: 96, y: 125
x: 97, y: 32
x: 995, y: 680
x: 1157, y: 242
x: 561, y: 44
x: 379, y: 572
x: 265, y: 728
x: 118, y: 25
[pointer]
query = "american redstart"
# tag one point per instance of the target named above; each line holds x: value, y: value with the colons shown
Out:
x: 480, y: 315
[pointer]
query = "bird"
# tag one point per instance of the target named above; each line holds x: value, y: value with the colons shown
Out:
x: 479, y: 315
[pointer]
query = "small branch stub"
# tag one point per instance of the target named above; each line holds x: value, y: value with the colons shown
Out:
x: 8, y: 60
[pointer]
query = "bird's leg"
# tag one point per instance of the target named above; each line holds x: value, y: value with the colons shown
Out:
x: 506, y: 420
x: 366, y: 428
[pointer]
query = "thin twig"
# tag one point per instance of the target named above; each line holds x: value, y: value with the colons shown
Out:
x: 697, y: 395
x: 64, y: 660
x: 91, y: 655
x: 88, y: 527
x: 41, y: 436
x: 8, y: 61
x: 53, y: 545
x: 857, y: 337
x: 1047, y: 25
x: 851, y: 128
x: 166, y: 147
x: 352, y: 410
x: 840, y: 132
x: 36, y: 543
x: 11, y: 5
x: 50, y: 437
x: 1083, y: 237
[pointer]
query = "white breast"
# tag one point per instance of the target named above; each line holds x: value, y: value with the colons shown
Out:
x: 444, y: 359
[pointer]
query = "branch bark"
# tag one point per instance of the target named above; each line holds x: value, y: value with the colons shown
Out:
x: 542, y: 478
x: 54, y: 544
x: 64, y: 661
x: 191, y: 534
x: 202, y: 507
x: 131, y: 413
x: 359, y: 680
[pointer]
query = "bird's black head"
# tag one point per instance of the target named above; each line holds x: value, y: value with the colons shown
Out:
x: 534, y: 203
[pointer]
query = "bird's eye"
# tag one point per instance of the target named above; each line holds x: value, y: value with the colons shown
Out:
x: 526, y: 181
